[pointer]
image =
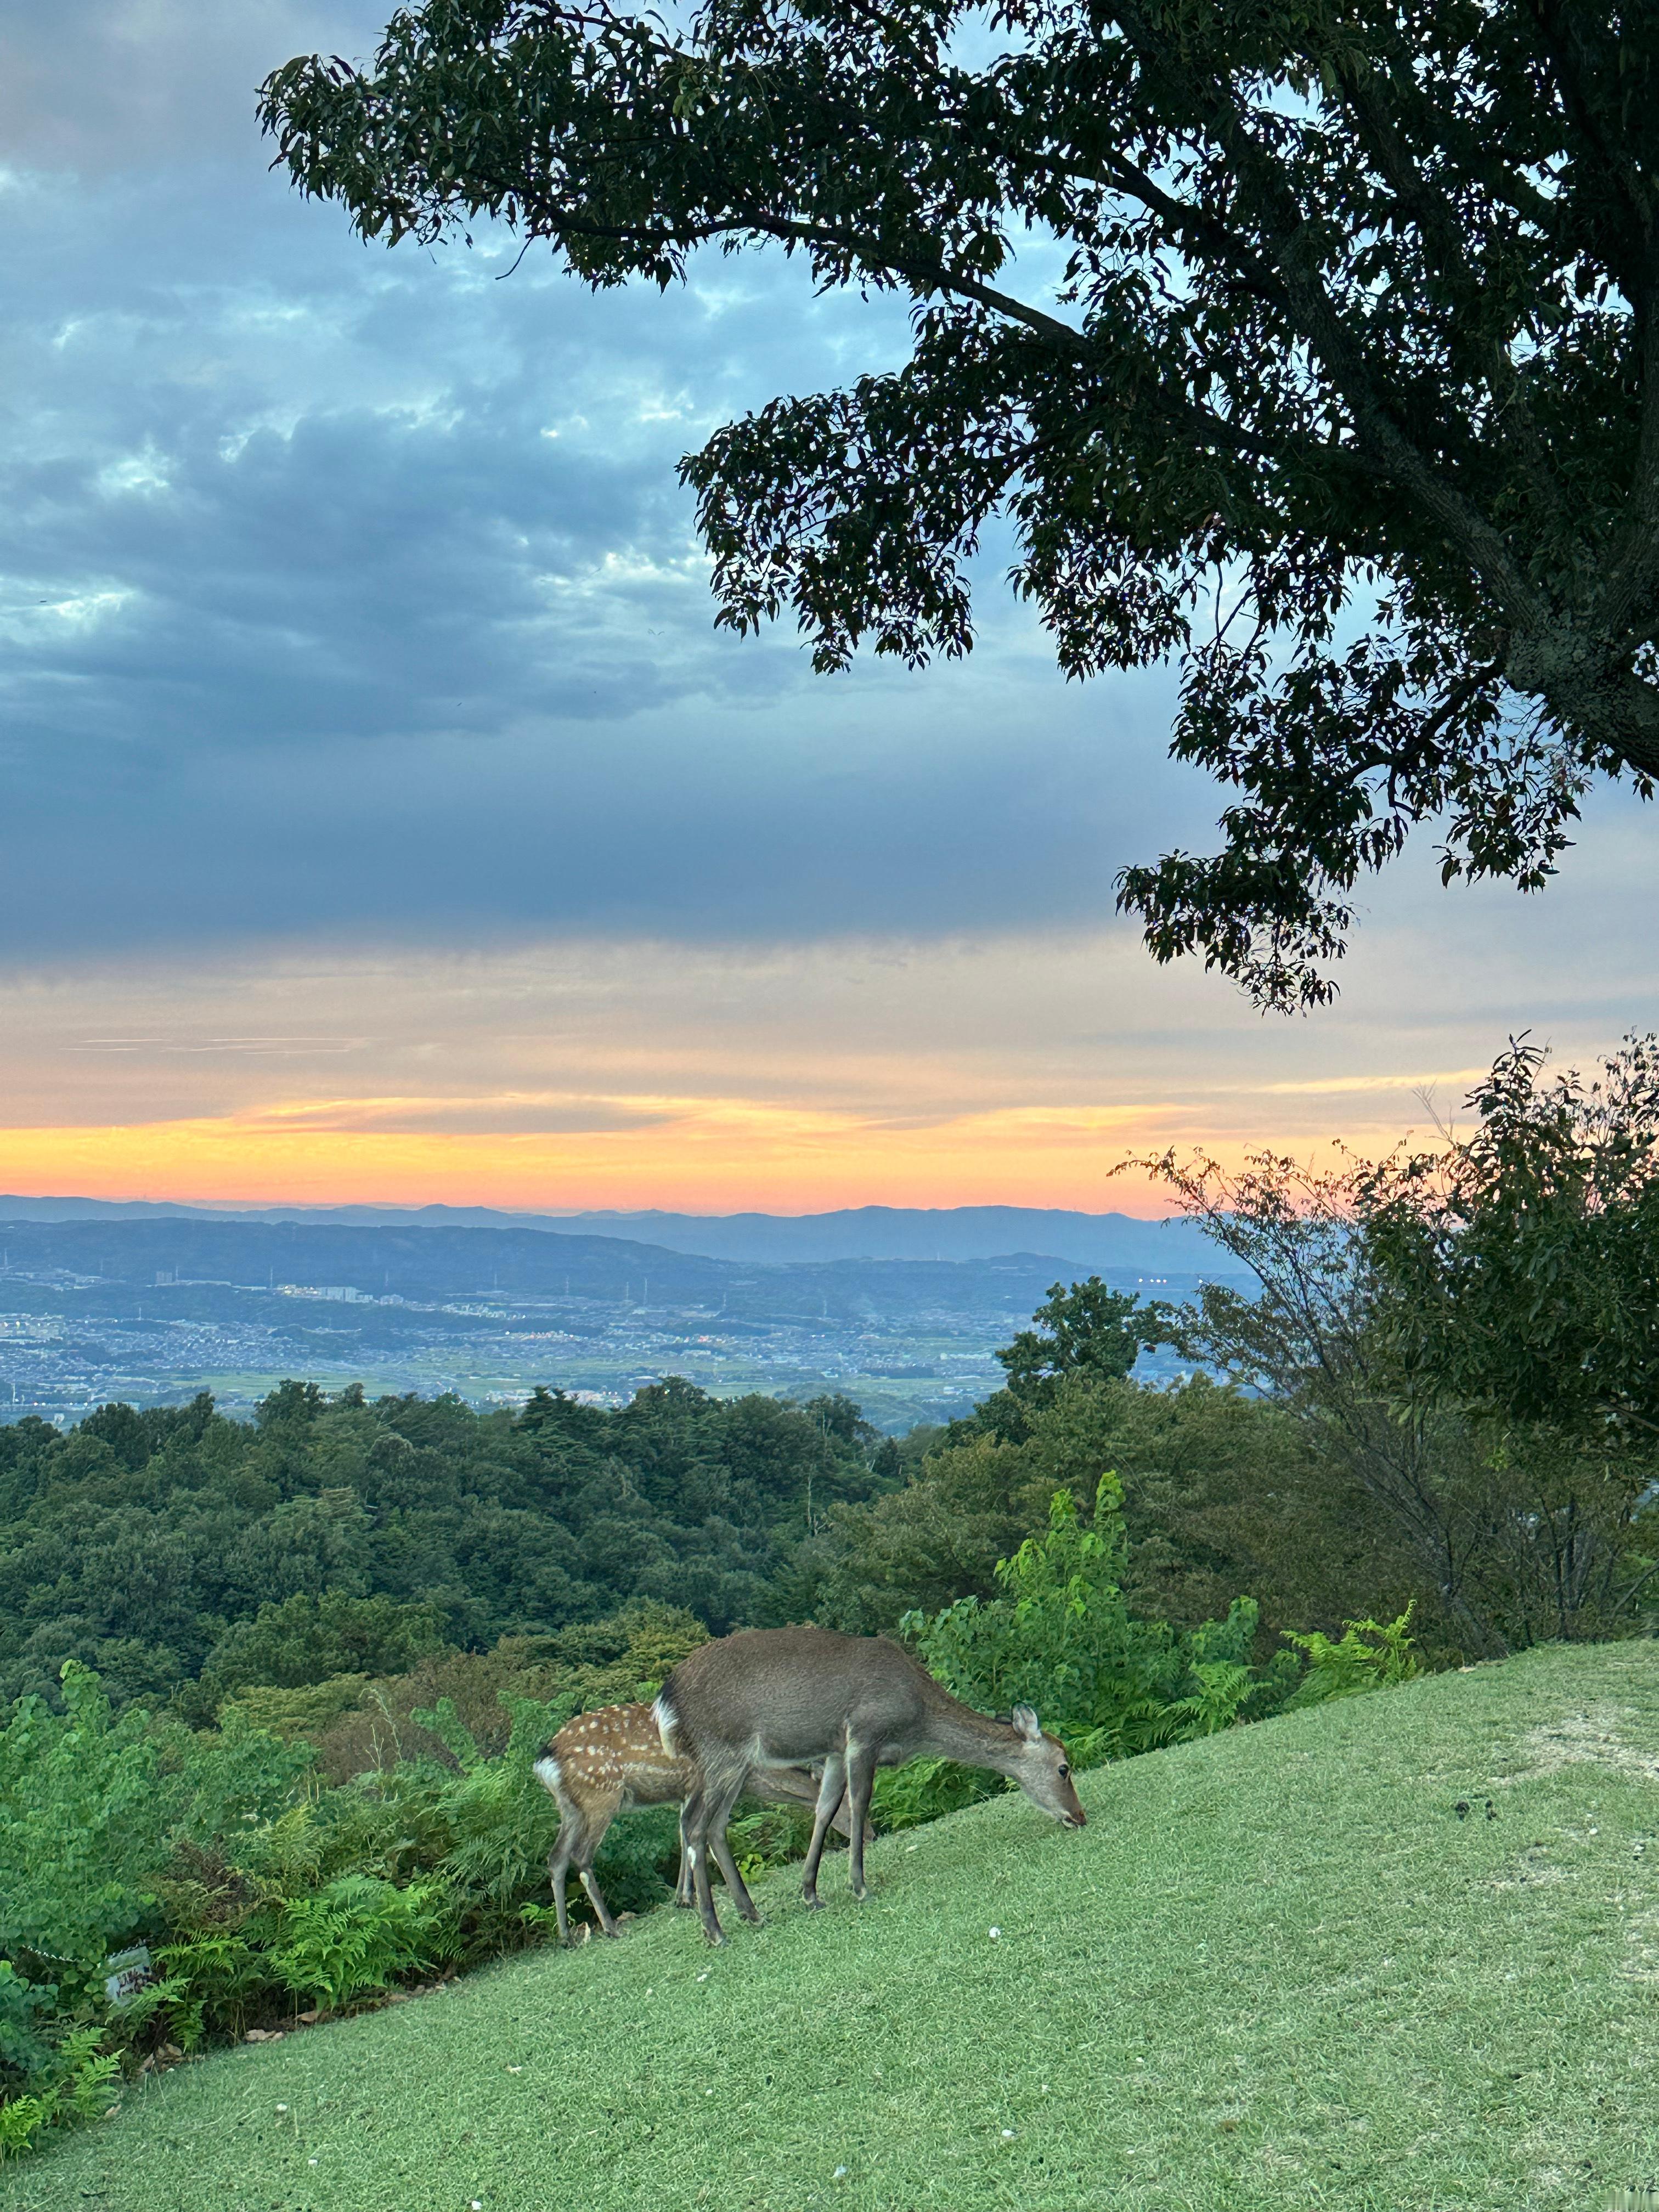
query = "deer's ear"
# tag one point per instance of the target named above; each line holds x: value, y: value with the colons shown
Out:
x: 1025, y: 1724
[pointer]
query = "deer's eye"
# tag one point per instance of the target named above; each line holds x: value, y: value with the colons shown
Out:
x: 1064, y: 1769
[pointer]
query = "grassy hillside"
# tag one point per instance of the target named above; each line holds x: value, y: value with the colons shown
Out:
x: 1277, y: 1970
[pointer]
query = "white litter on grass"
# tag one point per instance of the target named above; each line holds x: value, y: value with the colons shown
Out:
x: 996, y: 1935
x: 281, y: 2108
x: 1007, y: 2135
x: 701, y: 1978
x: 840, y: 2174
x: 311, y: 2161
x: 515, y: 2069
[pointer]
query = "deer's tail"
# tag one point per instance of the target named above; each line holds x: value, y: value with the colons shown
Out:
x: 667, y: 1719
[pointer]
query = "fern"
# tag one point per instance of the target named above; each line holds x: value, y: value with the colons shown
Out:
x: 357, y: 1936
x: 1369, y: 1656
x: 75, y: 2085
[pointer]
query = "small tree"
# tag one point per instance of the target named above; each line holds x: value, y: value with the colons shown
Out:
x: 1471, y: 1334
x: 1307, y: 1338
x: 1338, y: 383
x: 1084, y: 1330
x: 1521, y: 1265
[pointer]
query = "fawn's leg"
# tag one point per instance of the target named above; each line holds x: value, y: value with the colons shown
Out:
x: 597, y: 1896
x: 830, y: 1792
x: 558, y: 1873
x: 579, y: 1836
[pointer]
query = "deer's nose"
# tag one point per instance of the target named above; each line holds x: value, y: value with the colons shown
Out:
x: 1077, y: 1820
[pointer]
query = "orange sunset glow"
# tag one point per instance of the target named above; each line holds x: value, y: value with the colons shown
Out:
x: 699, y: 1156
x: 1016, y: 1071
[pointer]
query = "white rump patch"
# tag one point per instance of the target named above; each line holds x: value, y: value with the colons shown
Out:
x: 546, y: 1771
x: 666, y: 1719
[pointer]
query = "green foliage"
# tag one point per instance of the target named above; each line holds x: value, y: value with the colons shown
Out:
x: 375, y: 1724
x: 927, y: 1790
x: 74, y: 2085
x: 1328, y: 358
x: 1369, y: 1656
x: 1082, y: 1330
x: 1517, y: 1265
x: 1223, y: 1491
x: 24, y: 2055
x: 1062, y: 1638
x: 938, y: 1538
x: 355, y: 1937
x: 258, y: 1888
x: 1465, y: 1341
x: 332, y: 1537
x: 79, y: 1835
x: 306, y: 1640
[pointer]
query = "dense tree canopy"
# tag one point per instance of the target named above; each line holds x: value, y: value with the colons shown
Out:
x: 332, y: 1534
x: 1342, y: 392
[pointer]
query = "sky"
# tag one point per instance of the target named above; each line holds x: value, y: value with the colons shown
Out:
x: 384, y: 819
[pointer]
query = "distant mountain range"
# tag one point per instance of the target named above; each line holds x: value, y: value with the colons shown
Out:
x: 1094, y: 1241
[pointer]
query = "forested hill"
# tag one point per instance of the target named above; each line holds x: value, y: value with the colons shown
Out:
x: 407, y: 1262
x: 428, y: 1264
x: 1091, y: 1240
x: 143, y: 1542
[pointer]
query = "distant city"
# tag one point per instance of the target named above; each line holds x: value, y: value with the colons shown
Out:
x: 153, y: 1304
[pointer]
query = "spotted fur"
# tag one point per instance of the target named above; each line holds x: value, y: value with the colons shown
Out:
x: 614, y: 1761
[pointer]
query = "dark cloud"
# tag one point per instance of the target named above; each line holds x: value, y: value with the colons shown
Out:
x: 349, y: 590
x: 91, y: 86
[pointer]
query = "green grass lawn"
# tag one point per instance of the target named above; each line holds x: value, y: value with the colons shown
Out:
x: 1277, y: 1970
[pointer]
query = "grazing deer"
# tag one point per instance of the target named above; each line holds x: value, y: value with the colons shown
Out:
x: 613, y: 1761
x: 771, y: 1699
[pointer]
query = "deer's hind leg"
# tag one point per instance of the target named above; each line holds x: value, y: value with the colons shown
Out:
x: 694, y: 1842
x: 831, y: 1790
x: 860, y: 1781
x: 720, y: 1844
x: 686, y: 1894
x: 708, y: 1809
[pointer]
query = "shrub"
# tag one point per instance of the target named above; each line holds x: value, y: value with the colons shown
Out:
x: 81, y: 1825
x: 305, y: 1640
x: 357, y: 1936
x: 1060, y: 1638
x: 1347, y: 1667
x: 25, y: 2056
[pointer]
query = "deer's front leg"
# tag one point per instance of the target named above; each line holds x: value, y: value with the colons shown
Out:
x: 830, y: 1792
